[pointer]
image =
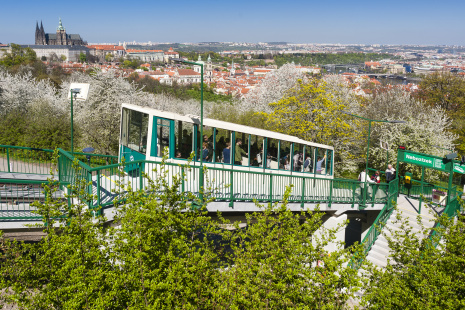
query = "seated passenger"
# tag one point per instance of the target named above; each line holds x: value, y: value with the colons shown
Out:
x: 319, y: 163
x: 308, y: 164
x: 227, y: 153
x: 239, y: 152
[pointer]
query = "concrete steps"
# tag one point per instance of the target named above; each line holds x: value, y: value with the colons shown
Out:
x: 407, y: 209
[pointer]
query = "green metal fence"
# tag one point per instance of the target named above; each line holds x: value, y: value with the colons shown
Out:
x: 450, y: 210
x: 426, y: 191
x: 29, y: 160
x: 110, y: 182
x: 17, y: 196
x: 380, y: 221
x: 223, y: 184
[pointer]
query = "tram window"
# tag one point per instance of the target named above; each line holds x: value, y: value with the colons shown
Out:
x: 183, y: 132
x: 241, y: 149
x: 207, y: 144
x: 134, y: 131
x: 272, y: 161
x: 256, y: 151
x: 329, y: 162
x: 285, y: 155
x: 298, y: 157
x: 223, y: 146
x: 320, y: 156
x: 163, y: 135
x: 308, y: 158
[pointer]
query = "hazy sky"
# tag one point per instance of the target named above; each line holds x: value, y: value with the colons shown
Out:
x: 306, y: 21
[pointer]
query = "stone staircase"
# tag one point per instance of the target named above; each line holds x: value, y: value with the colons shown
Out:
x: 408, y: 208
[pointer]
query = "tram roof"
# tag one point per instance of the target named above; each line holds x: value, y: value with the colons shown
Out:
x: 223, y: 125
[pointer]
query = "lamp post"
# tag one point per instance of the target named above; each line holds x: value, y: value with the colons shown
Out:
x: 81, y: 89
x: 201, y: 118
x: 74, y: 92
x: 368, y: 143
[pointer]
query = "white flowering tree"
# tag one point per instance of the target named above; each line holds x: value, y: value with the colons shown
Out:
x: 271, y: 88
x: 19, y: 92
x: 426, y: 127
x: 99, y: 116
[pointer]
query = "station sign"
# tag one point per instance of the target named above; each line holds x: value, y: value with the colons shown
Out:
x: 430, y: 161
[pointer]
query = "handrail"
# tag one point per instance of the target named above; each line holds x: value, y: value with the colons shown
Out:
x: 375, y: 229
x: 104, y: 182
x: 450, y: 210
x: 51, y: 151
x: 26, y: 148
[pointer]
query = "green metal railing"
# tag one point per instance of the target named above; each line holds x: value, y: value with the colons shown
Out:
x: 110, y: 182
x: 29, y: 160
x: 223, y: 184
x: 426, y: 191
x: 378, y: 224
x: 451, y: 211
x: 17, y: 192
x: 17, y: 196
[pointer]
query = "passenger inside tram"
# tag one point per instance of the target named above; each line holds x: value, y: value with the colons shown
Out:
x: 249, y: 150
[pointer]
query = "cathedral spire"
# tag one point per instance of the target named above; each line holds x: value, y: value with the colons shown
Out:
x: 60, y: 26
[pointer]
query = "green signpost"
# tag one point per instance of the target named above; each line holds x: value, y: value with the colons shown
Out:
x: 433, y: 162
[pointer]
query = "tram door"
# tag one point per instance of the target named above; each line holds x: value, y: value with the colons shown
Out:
x: 133, y: 138
x: 162, y: 136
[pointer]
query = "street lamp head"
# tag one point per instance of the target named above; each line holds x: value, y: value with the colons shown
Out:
x: 79, y: 91
x: 397, y: 122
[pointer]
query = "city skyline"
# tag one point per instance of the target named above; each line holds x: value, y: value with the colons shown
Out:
x: 363, y: 22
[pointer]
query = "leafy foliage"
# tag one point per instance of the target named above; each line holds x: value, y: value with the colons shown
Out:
x: 424, y: 128
x: 328, y: 58
x: 162, y: 253
x: 182, y: 92
x: 420, y: 275
x: 310, y: 112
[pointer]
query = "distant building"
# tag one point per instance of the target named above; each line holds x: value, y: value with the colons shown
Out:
x: 102, y: 50
x: 55, y: 52
x: 171, y: 54
x: 58, y: 38
x: 146, y: 55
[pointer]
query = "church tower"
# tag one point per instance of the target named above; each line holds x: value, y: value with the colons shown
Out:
x: 37, y: 33
x: 209, y: 69
x: 40, y: 34
x: 232, y: 72
x: 61, y: 34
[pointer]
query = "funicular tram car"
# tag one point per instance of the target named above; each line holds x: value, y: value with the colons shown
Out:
x: 260, y: 162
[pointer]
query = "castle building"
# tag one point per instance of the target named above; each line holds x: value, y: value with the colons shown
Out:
x: 58, y: 38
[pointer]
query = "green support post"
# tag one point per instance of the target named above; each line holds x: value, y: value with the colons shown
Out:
x: 271, y: 188
x: 8, y: 158
x: 451, y: 176
x: 303, y: 192
x: 365, y: 187
x: 231, y: 188
x: 141, y: 178
x: 201, y: 177
x: 72, y: 142
x: 330, y: 192
x: 421, y: 188
x: 183, y: 186
x: 98, y: 188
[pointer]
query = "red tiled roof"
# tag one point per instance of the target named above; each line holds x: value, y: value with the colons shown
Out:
x: 187, y: 72
x: 144, y: 51
x: 106, y: 47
